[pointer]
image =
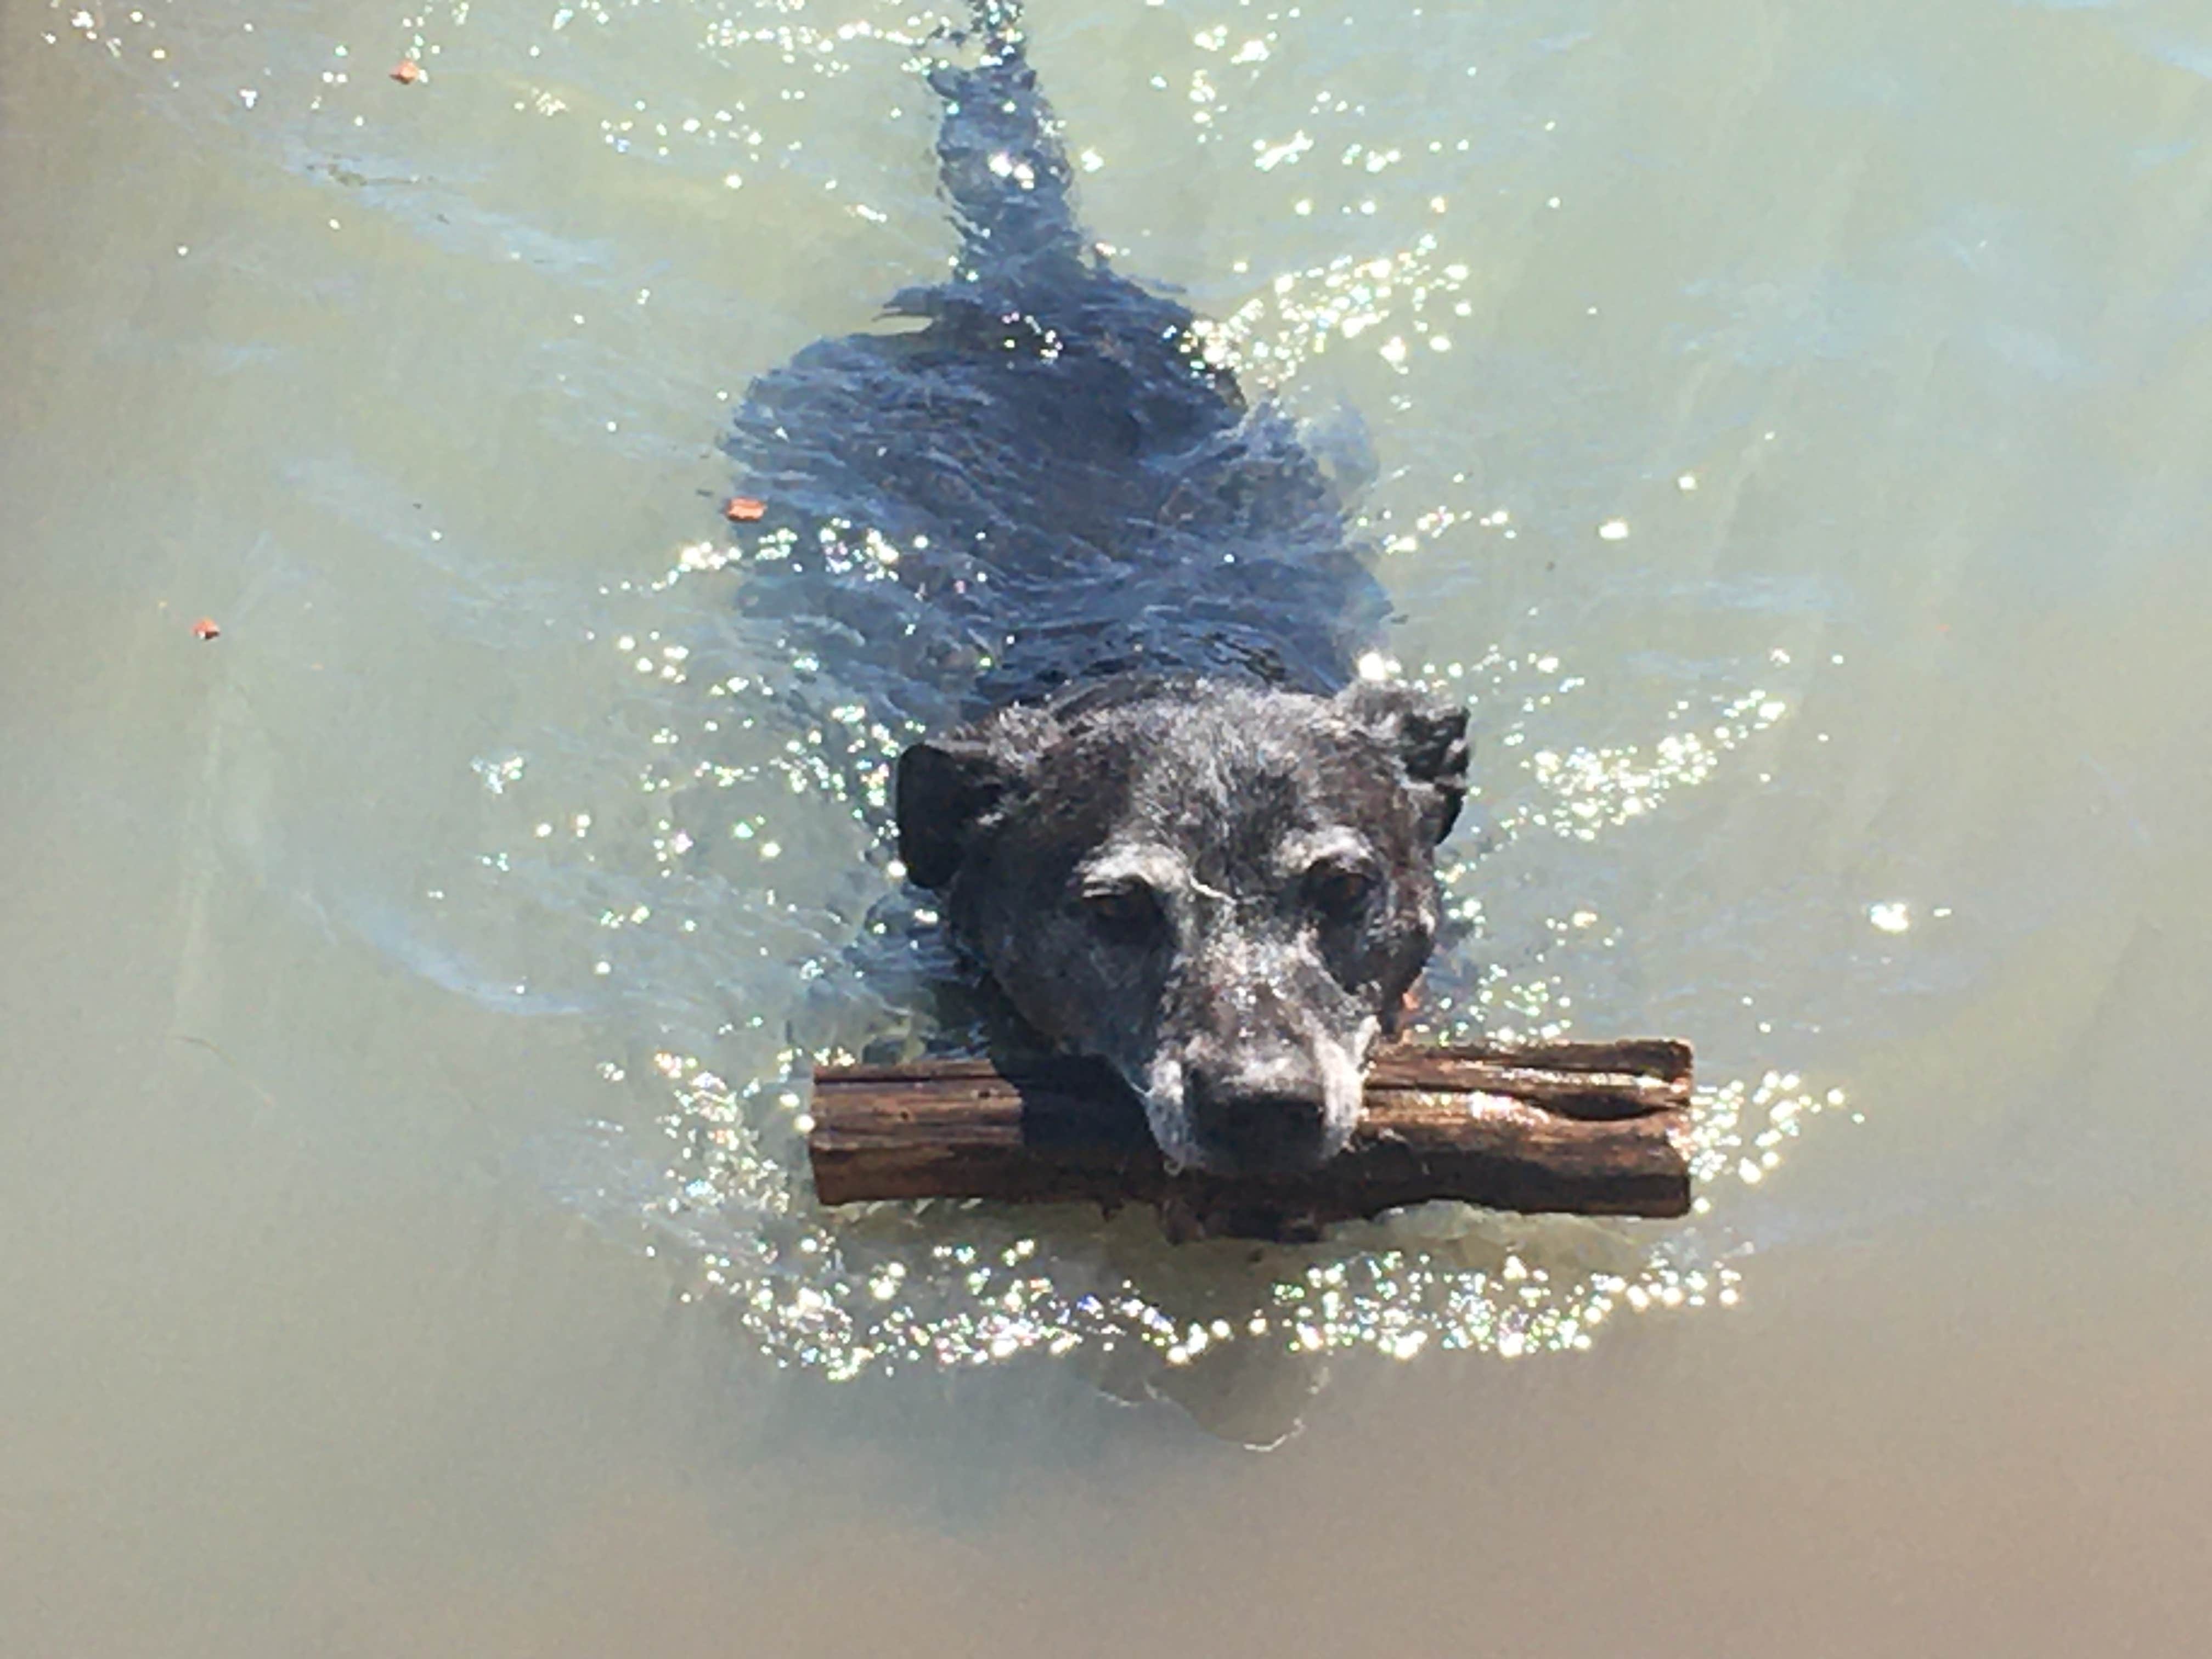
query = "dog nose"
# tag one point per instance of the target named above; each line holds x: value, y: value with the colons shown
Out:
x: 1257, y: 1131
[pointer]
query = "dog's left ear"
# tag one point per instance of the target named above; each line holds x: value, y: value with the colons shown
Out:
x: 948, y: 788
x: 1428, y: 736
x: 943, y: 789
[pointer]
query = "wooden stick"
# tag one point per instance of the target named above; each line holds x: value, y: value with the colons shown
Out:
x: 1591, y: 1127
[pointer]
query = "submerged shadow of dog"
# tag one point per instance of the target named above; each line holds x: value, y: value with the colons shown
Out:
x: 1165, y: 815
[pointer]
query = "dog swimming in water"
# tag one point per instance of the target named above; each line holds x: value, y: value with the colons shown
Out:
x: 1158, y: 804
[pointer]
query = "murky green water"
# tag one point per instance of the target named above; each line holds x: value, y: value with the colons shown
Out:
x: 1788, y: 424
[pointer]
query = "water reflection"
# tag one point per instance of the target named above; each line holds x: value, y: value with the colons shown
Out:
x: 704, y: 873
x: 732, y: 915
x: 746, y: 899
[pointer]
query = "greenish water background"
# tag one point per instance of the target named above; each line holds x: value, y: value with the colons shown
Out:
x: 1811, y: 493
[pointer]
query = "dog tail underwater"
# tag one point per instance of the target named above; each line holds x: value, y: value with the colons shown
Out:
x: 999, y: 152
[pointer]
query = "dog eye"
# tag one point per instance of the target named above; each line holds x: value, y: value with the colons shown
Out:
x: 1130, y: 911
x: 1339, y: 891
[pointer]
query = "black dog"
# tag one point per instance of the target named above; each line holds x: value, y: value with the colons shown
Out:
x: 1174, y: 827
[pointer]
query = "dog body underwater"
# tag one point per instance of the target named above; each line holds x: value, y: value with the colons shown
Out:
x: 1162, y: 808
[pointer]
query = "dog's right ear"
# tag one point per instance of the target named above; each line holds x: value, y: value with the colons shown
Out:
x: 948, y: 788
x: 1427, y: 733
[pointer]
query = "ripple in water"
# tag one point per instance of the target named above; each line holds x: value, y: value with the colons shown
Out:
x: 710, y: 866
x: 702, y: 896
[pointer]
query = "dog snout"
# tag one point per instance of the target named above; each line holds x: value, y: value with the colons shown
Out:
x: 1268, y: 1123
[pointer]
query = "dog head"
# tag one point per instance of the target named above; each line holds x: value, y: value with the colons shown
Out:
x: 1224, y: 890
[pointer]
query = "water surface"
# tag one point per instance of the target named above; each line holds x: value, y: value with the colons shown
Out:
x: 1786, y: 424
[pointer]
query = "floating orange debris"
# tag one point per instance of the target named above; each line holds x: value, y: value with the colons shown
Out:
x: 204, y: 629
x: 407, y: 71
x: 743, y: 509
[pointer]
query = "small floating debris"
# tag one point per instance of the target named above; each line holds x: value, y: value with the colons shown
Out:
x: 205, y: 629
x: 743, y: 509
x: 407, y: 71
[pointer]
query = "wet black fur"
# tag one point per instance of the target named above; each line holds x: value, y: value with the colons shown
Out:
x: 1128, y: 604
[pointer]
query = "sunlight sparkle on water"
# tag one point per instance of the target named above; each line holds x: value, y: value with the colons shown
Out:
x: 944, y: 1286
x: 725, y: 886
